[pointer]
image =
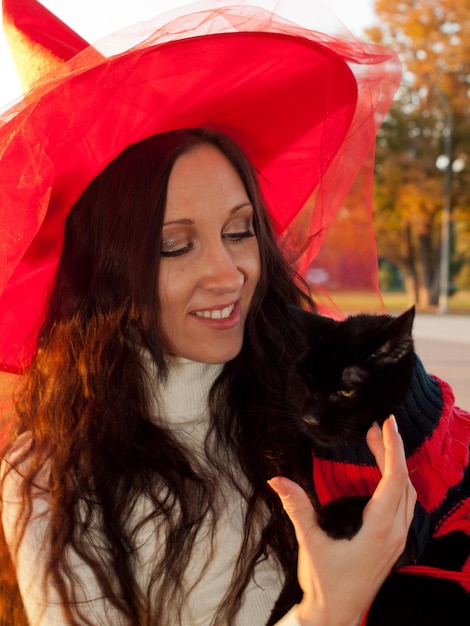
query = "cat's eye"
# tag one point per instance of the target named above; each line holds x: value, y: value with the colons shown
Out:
x: 347, y: 393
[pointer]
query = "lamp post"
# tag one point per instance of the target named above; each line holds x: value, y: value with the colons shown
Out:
x: 444, y: 268
x: 444, y: 163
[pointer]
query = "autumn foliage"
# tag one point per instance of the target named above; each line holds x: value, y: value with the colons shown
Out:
x: 429, y: 119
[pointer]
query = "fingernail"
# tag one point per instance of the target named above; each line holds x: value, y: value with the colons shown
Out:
x: 278, y: 486
x: 377, y: 428
x: 393, y: 421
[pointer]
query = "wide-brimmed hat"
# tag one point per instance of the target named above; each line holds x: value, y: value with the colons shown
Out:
x: 303, y: 105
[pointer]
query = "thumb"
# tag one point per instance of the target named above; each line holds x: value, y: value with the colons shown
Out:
x: 296, y: 504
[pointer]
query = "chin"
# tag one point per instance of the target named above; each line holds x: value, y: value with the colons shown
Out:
x: 214, y: 358
x: 214, y: 355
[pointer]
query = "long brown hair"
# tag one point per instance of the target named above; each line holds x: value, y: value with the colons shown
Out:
x: 86, y: 400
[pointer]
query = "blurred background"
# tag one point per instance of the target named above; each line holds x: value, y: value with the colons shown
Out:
x: 422, y: 190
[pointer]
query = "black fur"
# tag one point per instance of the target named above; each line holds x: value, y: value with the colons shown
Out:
x: 353, y: 373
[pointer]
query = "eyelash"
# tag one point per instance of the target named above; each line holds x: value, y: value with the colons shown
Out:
x: 233, y: 237
x: 246, y: 234
x: 177, y: 252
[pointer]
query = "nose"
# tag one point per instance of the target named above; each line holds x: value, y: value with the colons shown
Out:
x: 220, y: 270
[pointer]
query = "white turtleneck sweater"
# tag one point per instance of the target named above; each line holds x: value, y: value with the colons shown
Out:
x: 183, y: 403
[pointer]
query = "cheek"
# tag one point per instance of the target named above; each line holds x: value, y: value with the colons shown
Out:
x: 252, y: 268
x: 168, y: 298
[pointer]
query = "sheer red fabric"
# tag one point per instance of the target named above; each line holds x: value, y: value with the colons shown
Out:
x: 303, y: 104
x: 33, y: 22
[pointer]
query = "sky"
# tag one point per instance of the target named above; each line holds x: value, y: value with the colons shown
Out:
x: 93, y: 19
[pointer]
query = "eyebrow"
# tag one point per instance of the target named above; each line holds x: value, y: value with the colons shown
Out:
x: 242, y: 205
x: 190, y: 222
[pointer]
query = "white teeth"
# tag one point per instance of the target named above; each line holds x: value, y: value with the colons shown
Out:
x: 216, y: 314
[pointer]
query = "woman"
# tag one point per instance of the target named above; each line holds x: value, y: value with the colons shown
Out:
x: 163, y: 302
x: 154, y: 406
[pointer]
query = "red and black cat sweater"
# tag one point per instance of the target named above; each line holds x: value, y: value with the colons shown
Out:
x: 436, y: 436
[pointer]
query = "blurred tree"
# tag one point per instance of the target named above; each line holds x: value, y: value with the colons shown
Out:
x: 434, y: 98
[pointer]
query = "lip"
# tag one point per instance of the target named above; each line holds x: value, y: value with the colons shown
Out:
x: 219, y: 324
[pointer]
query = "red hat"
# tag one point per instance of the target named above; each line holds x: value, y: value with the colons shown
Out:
x: 303, y: 105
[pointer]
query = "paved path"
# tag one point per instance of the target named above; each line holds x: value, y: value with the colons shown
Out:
x: 443, y: 344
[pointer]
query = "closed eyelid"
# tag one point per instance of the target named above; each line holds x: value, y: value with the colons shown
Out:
x: 177, y: 238
x: 239, y: 224
x: 181, y: 235
x: 173, y: 242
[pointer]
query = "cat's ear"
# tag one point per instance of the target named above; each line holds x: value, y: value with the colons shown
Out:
x: 404, y: 322
x: 398, y: 341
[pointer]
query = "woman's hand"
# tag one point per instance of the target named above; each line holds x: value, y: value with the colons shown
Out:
x: 340, y: 578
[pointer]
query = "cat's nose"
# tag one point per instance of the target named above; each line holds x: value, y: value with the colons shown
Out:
x: 311, y: 420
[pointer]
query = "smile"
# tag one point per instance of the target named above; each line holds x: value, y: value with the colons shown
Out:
x: 216, y: 314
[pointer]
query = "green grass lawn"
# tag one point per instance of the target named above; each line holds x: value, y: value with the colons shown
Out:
x: 357, y: 301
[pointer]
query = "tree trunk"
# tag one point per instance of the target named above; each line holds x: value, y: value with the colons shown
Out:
x: 411, y: 288
x: 426, y: 272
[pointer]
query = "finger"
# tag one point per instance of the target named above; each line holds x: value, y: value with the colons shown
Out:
x: 390, y: 456
x: 394, y: 494
x: 375, y: 442
x: 387, y: 447
x: 296, y: 504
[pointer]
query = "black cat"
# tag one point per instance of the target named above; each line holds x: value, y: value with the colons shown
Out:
x: 352, y: 373
x: 355, y: 372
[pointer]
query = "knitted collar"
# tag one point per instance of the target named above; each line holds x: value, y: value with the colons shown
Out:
x: 182, y: 398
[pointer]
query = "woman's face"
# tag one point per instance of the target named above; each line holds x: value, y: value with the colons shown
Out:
x: 210, y: 261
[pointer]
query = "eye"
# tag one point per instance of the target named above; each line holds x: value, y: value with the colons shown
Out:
x: 175, y: 247
x: 239, y: 229
x: 347, y: 393
x: 239, y: 236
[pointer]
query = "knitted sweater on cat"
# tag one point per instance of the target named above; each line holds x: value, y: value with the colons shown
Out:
x: 436, y: 436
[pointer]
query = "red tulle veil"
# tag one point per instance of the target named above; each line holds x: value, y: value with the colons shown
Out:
x: 304, y: 101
